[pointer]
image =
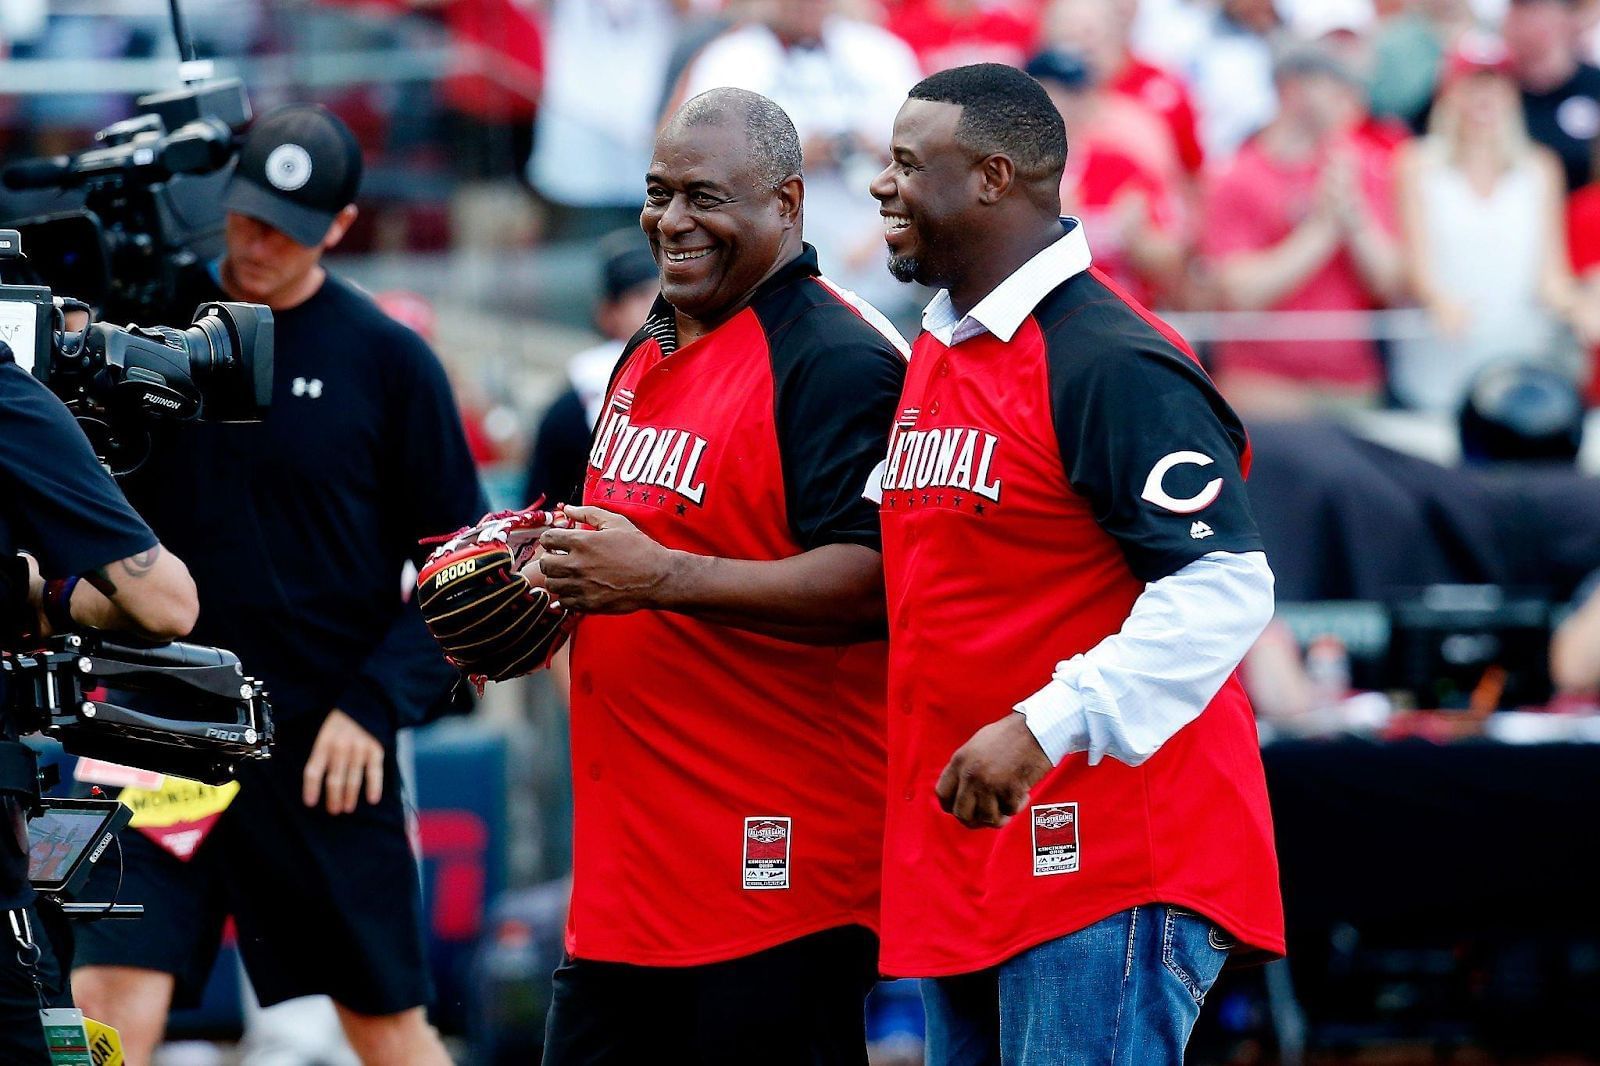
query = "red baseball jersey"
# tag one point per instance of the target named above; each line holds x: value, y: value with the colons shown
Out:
x: 1032, y: 488
x: 728, y: 786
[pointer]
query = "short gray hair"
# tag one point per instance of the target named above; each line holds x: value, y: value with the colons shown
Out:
x: 774, y: 143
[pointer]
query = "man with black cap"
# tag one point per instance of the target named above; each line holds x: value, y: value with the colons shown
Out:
x: 297, y: 530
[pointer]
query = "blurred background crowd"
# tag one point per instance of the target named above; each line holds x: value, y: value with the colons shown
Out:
x: 1377, y: 220
x: 1239, y: 156
x: 1329, y: 158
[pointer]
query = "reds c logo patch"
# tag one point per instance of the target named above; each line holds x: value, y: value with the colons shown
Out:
x: 1155, y: 493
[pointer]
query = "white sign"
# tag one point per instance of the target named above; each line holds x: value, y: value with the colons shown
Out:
x: 17, y: 327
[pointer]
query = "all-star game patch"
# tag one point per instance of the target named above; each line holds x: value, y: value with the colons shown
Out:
x: 1055, y: 838
x: 766, y: 853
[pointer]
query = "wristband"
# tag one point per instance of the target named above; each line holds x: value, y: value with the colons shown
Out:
x: 58, y: 602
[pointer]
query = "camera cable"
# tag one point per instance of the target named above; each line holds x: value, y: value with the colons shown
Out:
x: 122, y: 866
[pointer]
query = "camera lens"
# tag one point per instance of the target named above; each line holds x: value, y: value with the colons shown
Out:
x: 230, y: 360
x: 209, y: 346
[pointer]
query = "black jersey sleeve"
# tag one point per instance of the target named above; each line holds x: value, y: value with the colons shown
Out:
x: 1147, y: 440
x: 837, y: 383
x: 60, y: 502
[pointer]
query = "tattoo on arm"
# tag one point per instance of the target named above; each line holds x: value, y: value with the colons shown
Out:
x: 137, y: 566
x: 134, y: 566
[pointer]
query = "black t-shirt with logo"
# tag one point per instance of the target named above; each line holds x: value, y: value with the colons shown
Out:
x: 57, y: 502
x: 297, y: 528
x: 1566, y: 120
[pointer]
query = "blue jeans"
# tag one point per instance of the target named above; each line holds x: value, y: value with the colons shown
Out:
x: 1125, y: 991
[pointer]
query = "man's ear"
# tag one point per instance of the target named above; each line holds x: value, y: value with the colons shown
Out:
x: 996, y: 176
x: 791, y: 195
x: 339, y: 227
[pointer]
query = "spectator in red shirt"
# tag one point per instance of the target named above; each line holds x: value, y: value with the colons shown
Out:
x: 1304, y: 220
x: 1130, y: 213
x: 1583, y: 247
x: 1346, y: 31
x: 951, y: 33
x: 1121, y: 71
x: 1092, y: 29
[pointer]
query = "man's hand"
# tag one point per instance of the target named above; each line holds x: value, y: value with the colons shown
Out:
x: 612, y: 568
x: 343, y: 754
x: 1339, y: 189
x: 988, y: 778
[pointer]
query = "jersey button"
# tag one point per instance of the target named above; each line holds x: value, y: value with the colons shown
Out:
x: 594, y: 771
x: 909, y: 795
x: 944, y: 368
x: 933, y: 408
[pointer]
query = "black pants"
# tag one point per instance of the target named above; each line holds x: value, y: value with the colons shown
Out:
x: 323, y: 904
x: 798, y: 1004
x: 21, y: 1036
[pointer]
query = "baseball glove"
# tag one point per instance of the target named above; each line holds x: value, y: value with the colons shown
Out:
x: 492, y: 623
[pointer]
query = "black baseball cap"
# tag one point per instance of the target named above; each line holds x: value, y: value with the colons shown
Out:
x: 625, y: 262
x: 299, y: 167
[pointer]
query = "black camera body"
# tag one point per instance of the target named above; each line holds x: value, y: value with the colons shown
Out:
x: 120, y: 380
x: 121, y: 256
x: 146, y: 208
x: 178, y: 708
x: 147, y: 215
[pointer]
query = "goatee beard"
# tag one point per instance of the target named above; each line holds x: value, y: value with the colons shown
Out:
x: 904, y: 268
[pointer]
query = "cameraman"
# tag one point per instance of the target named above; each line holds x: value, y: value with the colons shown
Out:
x: 60, y: 505
x: 298, y: 528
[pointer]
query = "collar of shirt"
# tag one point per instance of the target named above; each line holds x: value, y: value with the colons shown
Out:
x: 1009, y: 304
x: 662, y: 321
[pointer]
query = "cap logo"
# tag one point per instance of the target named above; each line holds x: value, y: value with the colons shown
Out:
x: 288, y: 167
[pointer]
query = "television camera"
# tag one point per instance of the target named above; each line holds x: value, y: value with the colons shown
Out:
x: 146, y: 204
x: 119, y: 380
x: 181, y: 709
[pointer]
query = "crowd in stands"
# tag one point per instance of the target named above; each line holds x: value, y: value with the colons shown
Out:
x: 1235, y: 155
x: 1226, y: 155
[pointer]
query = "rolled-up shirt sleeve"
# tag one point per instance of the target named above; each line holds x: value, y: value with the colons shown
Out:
x: 1132, y: 692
